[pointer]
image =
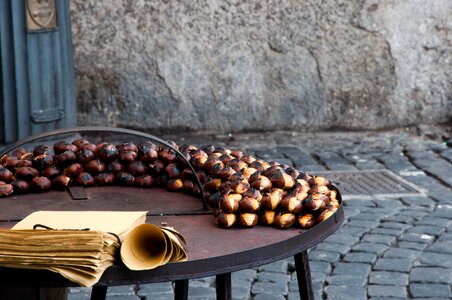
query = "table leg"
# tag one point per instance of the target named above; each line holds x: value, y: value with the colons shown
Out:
x: 99, y: 293
x: 181, y: 290
x: 224, y: 286
x: 304, y: 275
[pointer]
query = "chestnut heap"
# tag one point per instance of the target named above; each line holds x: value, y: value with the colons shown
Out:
x: 245, y: 190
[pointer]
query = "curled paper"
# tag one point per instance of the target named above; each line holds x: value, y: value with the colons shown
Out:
x: 148, y: 246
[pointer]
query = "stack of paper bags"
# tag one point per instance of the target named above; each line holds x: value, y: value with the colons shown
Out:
x: 82, y: 245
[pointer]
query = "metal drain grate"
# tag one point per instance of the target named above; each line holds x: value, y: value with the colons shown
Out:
x: 371, y: 183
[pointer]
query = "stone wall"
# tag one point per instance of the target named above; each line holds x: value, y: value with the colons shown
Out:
x: 216, y: 65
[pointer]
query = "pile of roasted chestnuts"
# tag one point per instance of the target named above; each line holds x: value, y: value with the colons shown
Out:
x: 245, y: 190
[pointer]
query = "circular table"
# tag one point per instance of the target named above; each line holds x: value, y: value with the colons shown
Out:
x: 211, y: 250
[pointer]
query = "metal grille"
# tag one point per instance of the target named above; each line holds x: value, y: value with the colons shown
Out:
x: 372, y: 183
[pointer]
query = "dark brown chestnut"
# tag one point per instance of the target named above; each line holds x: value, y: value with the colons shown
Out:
x: 124, y: 179
x: 90, y: 147
x: 127, y: 156
x: 188, y: 185
x: 157, y: 167
x: 115, y: 167
x: 20, y: 186
x: 62, y: 146
x: 249, y: 205
x: 73, y: 170
x: 108, y: 152
x: 147, y: 153
x: 226, y: 158
x: 229, y: 203
x: 104, y: 179
x: 80, y: 143
x: 272, y: 199
x: 6, y: 175
x: 136, y: 168
x: 281, y: 179
x: 208, y: 148
x: 270, y: 171
x: 240, y: 186
x: 225, y: 173
x: 167, y: 155
x: 24, y: 163
x: 237, y: 153
x: 214, y: 200
x: 61, y: 181
x: 253, y: 193
x: 51, y: 172
x: 174, y: 185
x: 11, y: 164
x: 95, y: 167
x: 173, y: 171
x: 187, y: 148
x: 144, y: 181
x: 325, y: 214
x: 85, y: 179
x: 291, y: 204
x: 19, y: 152
x: 43, y: 161
x: 40, y: 149
x: 198, y: 162
x: 236, y: 164
x: 267, y: 218
x: 26, y: 173
x: 262, y: 183
x: 127, y: 147
x: 210, y: 163
x: 247, y: 158
x: 65, y: 159
x: 84, y: 156
x: 213, y: 184
x: 315, y: 202
x: 40, y: 184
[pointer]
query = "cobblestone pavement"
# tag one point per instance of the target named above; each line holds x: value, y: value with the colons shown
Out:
x: 386, y: 249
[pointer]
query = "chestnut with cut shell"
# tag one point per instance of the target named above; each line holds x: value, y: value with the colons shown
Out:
x: 124, y: 179
x: 247, y: 220
x: 85, y: 179
x: 213, y: 184
x: 104, y: 179
x: 147, y: 152
x: 249, y: 205
x: 95, y: 167
x: 284, y: 220
x: 84, y: 156
x: 262, y: 183
x: 61, y: 181
x: 291, y: 204
x: 225, y: 220
x: 6, y: 175
x: 173, y: 171
x: 174, y: 185
x: 305, y: 221
x: 108, y: 152
x: 127, y: 156
x: 253, y: 193
x: 64, y: 159
x: 136, y: 168
x: 6, y: 189
x: 272, y: 199
x: 62, y: 146
x: 127, y: 147
x: 230, y: 203
x: 281, y: 179
x: 115, y: 167
x: 24, y: 163
x: 73, y: 170
x: 325, y: 214
x: 20, y: 186
x: 81, y: 143
x: 144, y: 181
x: 240, y: 186
x: 267, y: 218
x: 40, y: 149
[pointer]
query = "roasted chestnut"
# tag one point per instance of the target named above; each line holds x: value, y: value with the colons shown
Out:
x: 230, y: 203
x: 85, y: 179
x: 6, y: 189
x: 147, y: 152
x: 174, y: 185
x: 213, y: 184
x: 62, y: 146
x: 316, y: 202
x: 61, y: 181
x: 84, y: 156
x: 20, y: 186
x: 73, y: 170
x: 26, y: 173
x: 240, y: 186
x: 267, y: 218
x: 115, y: 167
x: 188, y: 185
x: 124, y: 179
x: 108, y: 152
x: 247, y: 220
x: 247, y: 158
x: 127, y: 156
x: 40, y: 149
x: 81, y: 143
x: 306, y: 221
x: 284, y: 220
x: 104, y: 179
x: 325, y: 214
x: 173, y: 171
x: 272, y: 199
x: 262, y: 183
x: 127, y: 147
x: 167, y: 155
x: 249, y: 205
x: 6, y: 175
x: 291, y: 204
x: 144, y: 181
x: 26, y: 156
x: 281, y: 179
x: 24, y: 163
x: 253, y: 193
x: 225, y: 220
x: 95, y: 167
x: 64, y: 159
x: 40, y: 184
x: 43, y: 161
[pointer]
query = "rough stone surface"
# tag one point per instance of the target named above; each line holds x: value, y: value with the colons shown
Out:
x: 233, y: 65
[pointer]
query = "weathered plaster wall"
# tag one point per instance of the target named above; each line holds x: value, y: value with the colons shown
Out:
x: 261, y: 65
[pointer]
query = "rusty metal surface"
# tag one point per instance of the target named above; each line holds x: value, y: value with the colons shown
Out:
x: 210, y: 250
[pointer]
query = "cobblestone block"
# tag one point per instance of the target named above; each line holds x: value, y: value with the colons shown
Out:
x: 441, y: 247
x: 387, y: 291
x: 418, y: 201
x: 359, y: 203
x: 360, y: 257
x: 268, y: 154
x: 277, y: 267
x: 268, y: 297
x: 369, y: 215
x: 434, y: 221
x: 325, y: 256
x: 248, y: 275
x: 369, y: 165
x: 202, y: 293
x: 357, y: 269
x: 431, y: 275
x: 379, y: 239
x: 155, y: 288
x: 402, y: 253
x: 341, y: 238
x: 269, y: 288
x: 424, y: 229
x: 121, y: 290
x: 378, y: 249
x: 156, y: 296
x: 278, y: 278
x: 432, y: 259
x: 393, y: 264
x: 351, y: 230
x: 416, y: 237
x: 282, y: 161
x: 388, y: 278
x: 299, y: 157
x: 369, y: 224
x: 389, y: 203
x: 400, y: 219
x: 345, y: 293
x: 333, y: 247
x: 442, y: 211
x: 395, y: 225
x: 341, y: 166
x: 412, y: 245
x: 125, y: 297
x: 240, y: 292
x: 387, y: 231
x: 430, y: 290
x: 311, y: 169
x: 318, y: 266
x: 347, y: 280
